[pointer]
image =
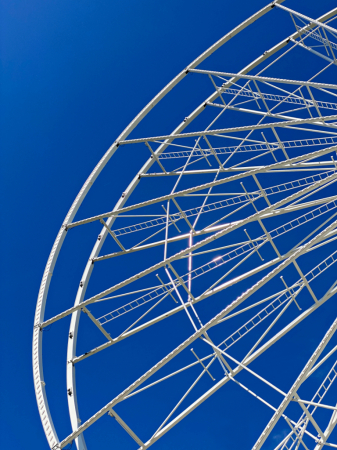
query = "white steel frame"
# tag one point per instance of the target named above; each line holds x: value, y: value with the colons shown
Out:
x: 320, y: 161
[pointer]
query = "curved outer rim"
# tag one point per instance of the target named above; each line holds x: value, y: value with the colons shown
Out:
x: 71, y: 353
x: 39, y: 384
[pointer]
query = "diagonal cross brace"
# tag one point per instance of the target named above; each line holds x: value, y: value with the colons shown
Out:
x: 301, y: 378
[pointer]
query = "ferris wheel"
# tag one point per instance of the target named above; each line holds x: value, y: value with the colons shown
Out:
x: 213, y: 278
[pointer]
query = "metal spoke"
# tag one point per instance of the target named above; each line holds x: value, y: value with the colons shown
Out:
x: 220, y: 233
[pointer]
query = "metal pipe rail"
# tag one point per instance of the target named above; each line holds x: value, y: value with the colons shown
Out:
x: 221, y: 204
x: 312, y: 274
x: 253, y: 148
x: 194, y: 134
x: 201, y: 187
x: 219, y: 261
x: 196, y: 246
x: 46, y: 419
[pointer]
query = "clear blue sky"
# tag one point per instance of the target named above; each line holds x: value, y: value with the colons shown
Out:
x: 74, y: 74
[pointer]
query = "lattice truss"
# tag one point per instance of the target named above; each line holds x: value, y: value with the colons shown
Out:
x: 234, y: 245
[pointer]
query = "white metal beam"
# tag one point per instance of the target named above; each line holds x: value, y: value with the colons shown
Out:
x: 301, y: 378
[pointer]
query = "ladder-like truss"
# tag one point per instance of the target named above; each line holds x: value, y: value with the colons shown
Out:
x: 236, y: 244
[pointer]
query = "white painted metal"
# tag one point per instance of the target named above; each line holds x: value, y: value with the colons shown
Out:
x: 280, y: 200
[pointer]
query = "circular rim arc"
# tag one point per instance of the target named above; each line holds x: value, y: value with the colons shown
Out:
x: 42, y: 297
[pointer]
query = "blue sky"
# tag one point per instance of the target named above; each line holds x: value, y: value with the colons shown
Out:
x: 74, y: 74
